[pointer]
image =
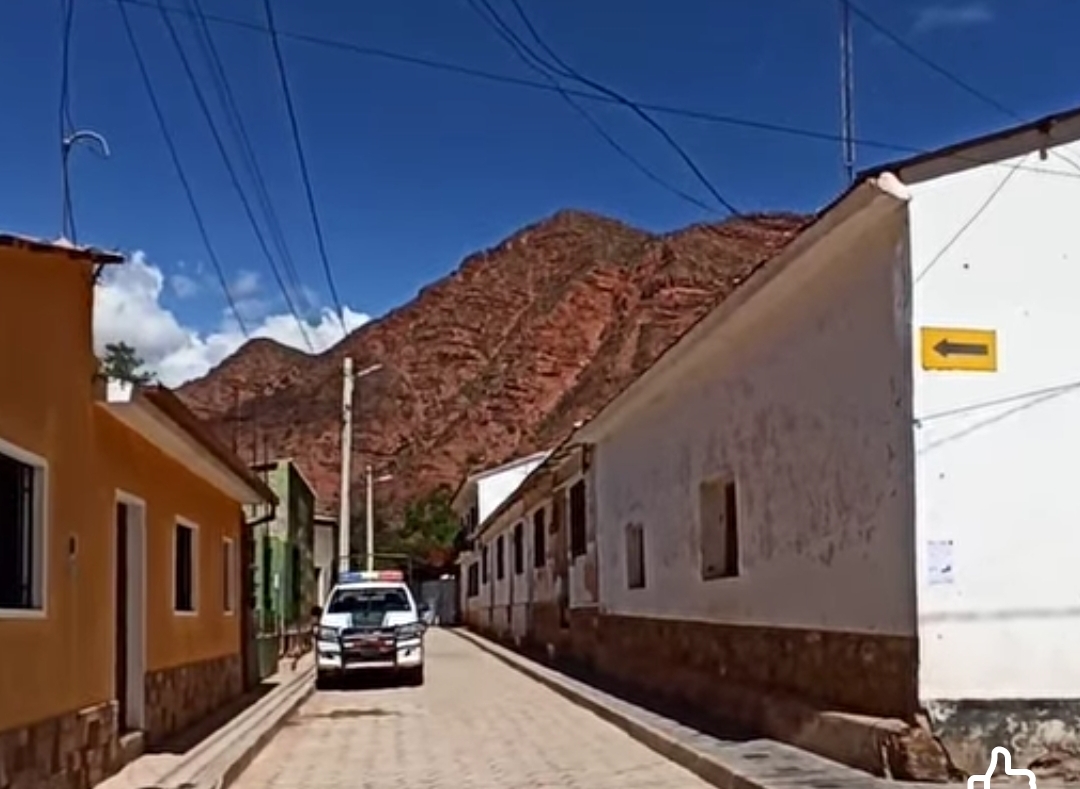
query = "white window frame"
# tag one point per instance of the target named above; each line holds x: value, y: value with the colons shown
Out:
x: 229, y: 575
x: 41, y: 533
x: 178, y: 521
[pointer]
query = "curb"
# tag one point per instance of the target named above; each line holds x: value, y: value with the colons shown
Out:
x: 218, y: 762
x: 757, y: 764
x: 236, y: 767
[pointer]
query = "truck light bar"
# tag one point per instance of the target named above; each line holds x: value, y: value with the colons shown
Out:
x: 376, y: 575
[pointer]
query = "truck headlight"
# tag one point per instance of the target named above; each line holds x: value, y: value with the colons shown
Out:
x: 326, y: 634
x: 411, y: 630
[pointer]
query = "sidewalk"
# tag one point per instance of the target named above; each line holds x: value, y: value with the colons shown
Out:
x: 210, y: 756
x: 730, y: 764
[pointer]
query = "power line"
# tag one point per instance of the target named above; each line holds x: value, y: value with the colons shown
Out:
x: 523, y: 54
x: 293, y: 124
x: 703, y: 116
x: 205, y: 109
x: 971, y: 221
x: 930, y: 64
x: 175, y: 156
x: 570, y: 72
x: 951, y: 76
x: 220, y: 80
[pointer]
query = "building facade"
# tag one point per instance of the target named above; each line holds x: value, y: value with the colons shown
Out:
x: 118, y: 613
x: 284, y: 562
x: 825, y: 510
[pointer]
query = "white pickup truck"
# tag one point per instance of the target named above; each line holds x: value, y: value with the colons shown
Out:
x: 371, y: 622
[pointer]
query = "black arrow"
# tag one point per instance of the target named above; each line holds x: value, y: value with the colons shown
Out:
x: 948, y: 348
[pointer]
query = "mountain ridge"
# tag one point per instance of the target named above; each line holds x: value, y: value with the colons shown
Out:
x: 497, y: 359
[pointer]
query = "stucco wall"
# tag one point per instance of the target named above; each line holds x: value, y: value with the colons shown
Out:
x: 494, y: 489
x: 803, y: 395
x: 60, y: 660
x: 129, y: 463
x: 996, y: 467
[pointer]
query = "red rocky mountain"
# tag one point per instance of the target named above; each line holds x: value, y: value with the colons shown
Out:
x: 496, y: 360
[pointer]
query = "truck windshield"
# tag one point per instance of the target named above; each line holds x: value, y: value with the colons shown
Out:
x: 369, y: 601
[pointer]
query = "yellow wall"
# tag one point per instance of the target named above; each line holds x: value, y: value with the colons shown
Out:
x: 63, y: 660
x: 138, y: 468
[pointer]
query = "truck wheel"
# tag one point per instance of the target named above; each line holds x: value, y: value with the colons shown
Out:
x: 414, y: 677
x: 322, y: 681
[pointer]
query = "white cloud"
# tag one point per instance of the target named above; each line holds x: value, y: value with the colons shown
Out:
x: 183, y: 286
x: 966, y: 15
x: 245, y: 285
x: 128, y: 308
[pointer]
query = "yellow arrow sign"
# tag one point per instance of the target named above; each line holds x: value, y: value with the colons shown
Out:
x: 974, y: 350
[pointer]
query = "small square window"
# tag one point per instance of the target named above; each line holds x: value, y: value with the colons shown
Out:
x: 719, y: 529
x: 184, y: 569
x: 228, y: 575
x: 22, y: 530
x: 578, y: 537
x: 635, y: 556
x: 539, y: 539
x: 500, y: 558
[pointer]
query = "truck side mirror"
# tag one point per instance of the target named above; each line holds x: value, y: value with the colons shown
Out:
x: 316, y: 611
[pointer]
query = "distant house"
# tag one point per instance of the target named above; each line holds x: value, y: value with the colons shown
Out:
x: 120, y: 531
x: 284, y: 560
x: 478, y: 495
x: 532, y: 570
x: 481, y: 492
x: 843, y: 489
x: 326, y: 556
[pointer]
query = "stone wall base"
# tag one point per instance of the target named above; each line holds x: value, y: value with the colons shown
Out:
x: 72, y: 751
x: 850, y: 697
x: 861, y: 673
x: 179, y: 697
x: 1042, y: 735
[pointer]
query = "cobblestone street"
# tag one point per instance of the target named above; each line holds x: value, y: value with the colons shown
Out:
x: 476, y: 724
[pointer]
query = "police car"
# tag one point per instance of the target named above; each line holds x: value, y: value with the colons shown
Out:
x: 371, y: 622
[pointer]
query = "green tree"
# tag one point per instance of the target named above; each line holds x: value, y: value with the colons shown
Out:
x: 427, y: 531
x: 123, y: 363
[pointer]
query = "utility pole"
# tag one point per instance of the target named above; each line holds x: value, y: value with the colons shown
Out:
x: 370, y: 531
x: 346, y: 464
x: 847, y: 90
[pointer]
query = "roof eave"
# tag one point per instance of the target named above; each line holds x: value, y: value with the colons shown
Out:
x: 161, y: 408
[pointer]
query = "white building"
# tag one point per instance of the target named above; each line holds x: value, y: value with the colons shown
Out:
x: 848, y: 482
x: 846, y: 486
x: 478, y: 496
x: 534, y: 561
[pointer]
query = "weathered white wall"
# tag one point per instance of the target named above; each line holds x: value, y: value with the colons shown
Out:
x: 997, y: 453
x: 803, y: 393
x: 496, y: 487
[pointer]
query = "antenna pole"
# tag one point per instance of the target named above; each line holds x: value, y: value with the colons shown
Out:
x: 847, y: 90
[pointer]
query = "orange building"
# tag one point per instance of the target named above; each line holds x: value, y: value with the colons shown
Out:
x: 120, y: 539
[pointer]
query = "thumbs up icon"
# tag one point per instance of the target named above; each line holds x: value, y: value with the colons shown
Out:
x: 1006, y: 760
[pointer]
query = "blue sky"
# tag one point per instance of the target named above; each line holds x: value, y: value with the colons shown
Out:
x: 413, y: 167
